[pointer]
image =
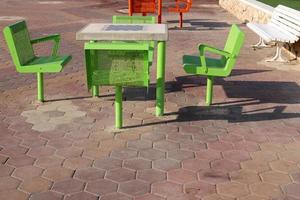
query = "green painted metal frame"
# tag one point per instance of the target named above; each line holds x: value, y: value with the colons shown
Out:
x: 32, y: 63
x: 211, y: 67
x: 91, y: 67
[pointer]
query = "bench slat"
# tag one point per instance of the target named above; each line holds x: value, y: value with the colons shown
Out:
x: 288, y: 11
x: 283, y: 24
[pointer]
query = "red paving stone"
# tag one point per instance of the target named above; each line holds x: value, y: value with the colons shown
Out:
x: 245, y: 146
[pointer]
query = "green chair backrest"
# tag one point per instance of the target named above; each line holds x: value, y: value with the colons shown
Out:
x: 122, y: 64
x: 133, y: 19
x: 18, y: 41
x: 233, y: 46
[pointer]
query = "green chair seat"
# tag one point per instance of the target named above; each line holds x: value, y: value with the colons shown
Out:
x: 213, y: 67
x: 46, y: 64
x: 20, y: 47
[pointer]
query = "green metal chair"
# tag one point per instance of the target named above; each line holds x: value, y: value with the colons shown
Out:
x: 118, y: 19
x: 118, y: 64
x: 211, y: 67
x: 20, y: 47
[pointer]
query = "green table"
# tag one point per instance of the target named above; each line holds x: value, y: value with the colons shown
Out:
x: 129, y: 32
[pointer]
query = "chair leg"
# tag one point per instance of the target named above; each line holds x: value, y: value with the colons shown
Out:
x: 95, y: 90
x: 180, y: 20
x: 209, y: 90
x: 40, y: 86
x: 118, y: 107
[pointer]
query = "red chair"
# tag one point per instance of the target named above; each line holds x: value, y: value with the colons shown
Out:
x: 181, y: 6
x: 141, y: 6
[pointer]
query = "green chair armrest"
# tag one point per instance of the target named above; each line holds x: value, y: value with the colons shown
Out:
x: 54, y: 37
x: 204, y: 48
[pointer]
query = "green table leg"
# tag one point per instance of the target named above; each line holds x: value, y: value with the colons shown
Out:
x: 118, y: 107
x: 209, y: 90
x: 40, y: 86
x: 95, y: 90
x: 160, y: 78
x: 94, y: 62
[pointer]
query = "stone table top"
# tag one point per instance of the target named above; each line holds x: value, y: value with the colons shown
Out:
x: 104, y: 31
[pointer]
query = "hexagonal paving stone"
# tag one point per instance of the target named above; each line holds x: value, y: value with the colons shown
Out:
x: 284, y: 166
x: 60, y: 143
x: 193, y: 146
x: 208, y: 154
x: 149, y: 197
x: 213, y: 176
x: 120, y: 175
x: 293, y: 189
x: 225, y: 165
x: 77, y: 163
x: 272, y: 147
x: 181, y: 176
x: 236, y: 155
x: 220, y: 146
x: 49, y: 161
x: 27, y: 172
x: 166, y: 164
x: 68, y: 186
x: 180, y: 155
x: 69, y: 152
x: 6, y: 170
x: 195, y: 164
x: 244, y: 176
x: 115, y: 196
x: 153, y: 136
x: 293, y: 146
x: 134, y: 187
x: 199, y: 189
x: 137, y: 164
x: 296, y: 177
x: 152, y: 154
x: 46, y: 195
x: 81, y: 196
x: 276, y: 178
x: 291, y: 156
x: 264, y: 155
x: 13, y: 195
x: 124, y: 154
x: 89, y: 174
x: 166, y: 188
x: 41, y: 151
x: 176, y: 137
x: 101, y: 187
x: 139, y: 144
x: 58, y: 173
x: 36, y: 184
x: 253, y: 197
x: 108, y: 163
x: 217, y: 197
x: 266, y: 189
x: 232, y: 189
x: 165, y: 145
x: 20, y: 161
x: 151, y: 175
x: 7, y: 183
x: 255, y: 165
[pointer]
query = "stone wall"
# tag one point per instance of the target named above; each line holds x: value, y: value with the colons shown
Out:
x: 255, y: 11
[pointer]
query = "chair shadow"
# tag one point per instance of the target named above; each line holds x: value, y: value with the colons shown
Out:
x: 78, y: 98
x: 200, y: 24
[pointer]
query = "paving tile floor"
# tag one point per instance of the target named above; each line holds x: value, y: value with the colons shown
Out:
x: 246, y: 146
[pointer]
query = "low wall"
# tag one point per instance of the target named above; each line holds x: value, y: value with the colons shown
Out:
x: 255, y: 11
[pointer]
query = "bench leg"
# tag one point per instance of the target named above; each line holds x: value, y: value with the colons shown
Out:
x: 261, y: 44
x: 118, y: 107
x: 278, y: 55
x: 209, y: 90
x: 40, y: 86
x: 95, y: 90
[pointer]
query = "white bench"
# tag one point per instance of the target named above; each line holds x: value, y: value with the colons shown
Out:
x: 284, y: 27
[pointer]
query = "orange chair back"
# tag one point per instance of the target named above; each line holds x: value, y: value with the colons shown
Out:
x: 141, y: 6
